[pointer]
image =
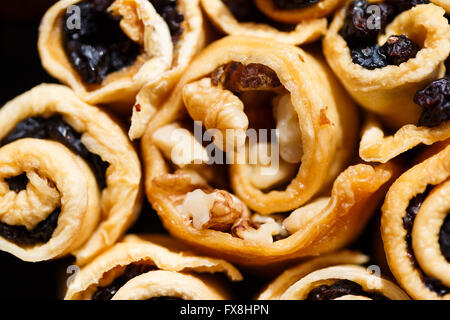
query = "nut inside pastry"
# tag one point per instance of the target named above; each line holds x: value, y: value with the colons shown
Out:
x: 233, y: 100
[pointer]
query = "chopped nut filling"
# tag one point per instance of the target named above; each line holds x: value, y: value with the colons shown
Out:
x: 217, y: 210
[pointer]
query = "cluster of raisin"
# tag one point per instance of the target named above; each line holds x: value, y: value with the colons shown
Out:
x: 362, y: 27
x: 167, y: 9
x: 99, y: 47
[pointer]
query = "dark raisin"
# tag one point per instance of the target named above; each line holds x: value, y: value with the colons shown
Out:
x: 28, y: 128
x: 131, y: 271
x: 436, y: 286
x: 341, y: 288
x: 99, y: 47
x: 244, y: 10
x: 371, y: 57
x: 403, y: 5
x: 357, y: 30
x: 56, y: 129
x: 238, y: 77
x: 399, y: 49
x: 444, y: 238
x: 167, y: 9
x: 294, y: 4
x: 17, y: 183
x: 60, y: 131
x: 435, y: 101
x: 408, y: 223
x: 40, y: 234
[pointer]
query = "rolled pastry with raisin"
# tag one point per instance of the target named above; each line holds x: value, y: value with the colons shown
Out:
x: 204, y: 192
x: 107, y: 50
x: 255, y: 19
x: 415, y: 226
x: 388, y: 69
x: 70, y: 178
x: 335, y: 276
x: 151, y: 267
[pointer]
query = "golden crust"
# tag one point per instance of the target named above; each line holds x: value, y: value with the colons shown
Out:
x: 296, y: 282
x: 383, y: 90
x: 355, y: 195
x: 319, y: 10
x: 48, y: 165
x: 315, y: 93
x: 433, y: 171
x: 375, y: 146
x: 120, y: 201
x: 290, y: 276
x: 305, y: 32
x: 153, y: 94
x: 354, y: 273
x: 166, y: 255
x: 442, y: 3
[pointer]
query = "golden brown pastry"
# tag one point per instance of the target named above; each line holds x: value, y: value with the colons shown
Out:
x: 336, y: 276
x: 243, y: 18
x: 233, y: 90
x: 389, y: 86
x: 151, y: 267
x: 70, y: 179
x: 415, y: 226
x: 108, y: 50
x: 297, y: 11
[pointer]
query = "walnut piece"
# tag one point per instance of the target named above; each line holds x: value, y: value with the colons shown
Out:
x: 289, y: 134
x: 259, y: 229
x: 179, y: 145
x: 217, y: 210
x: 219, y: 110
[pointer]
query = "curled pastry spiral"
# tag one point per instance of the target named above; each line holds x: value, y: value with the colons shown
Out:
x: 336, y: 276
x: 415, y: 227
x: 229, y: 22
x: 151, y: 267
x: 107, y: 204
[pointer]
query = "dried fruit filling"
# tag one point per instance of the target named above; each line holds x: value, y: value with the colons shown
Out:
x: 361, y: 31
x: 341, y: 288
x: 98, y: 46
x: 55, y: 128
x: 444, y: 241
x: 40, y: 234
x: 435, y: 101
x: 131, y: 271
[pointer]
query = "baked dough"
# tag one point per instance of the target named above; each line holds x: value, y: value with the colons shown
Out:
x: 181, y: 194
x: 320, y: 9
x: 177, y: 273
x: 389, y: 91
x: 433, y: 171
x: 115, y: 207
x: 305, y: 31
x: 296, y: 283
x: 143, y: 25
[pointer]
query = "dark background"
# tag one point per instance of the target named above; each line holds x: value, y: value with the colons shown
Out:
x: 21, y: 70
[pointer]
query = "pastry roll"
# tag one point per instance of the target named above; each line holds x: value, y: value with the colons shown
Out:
x: 415, y: 227
x: 390, y: 71
x: 107, y: 50
x: 296, y: 11
x: 151, y: 268
x: 204, y: 192
x: 69, y: 179
x: 337, y: 276
x: 244, y: 18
